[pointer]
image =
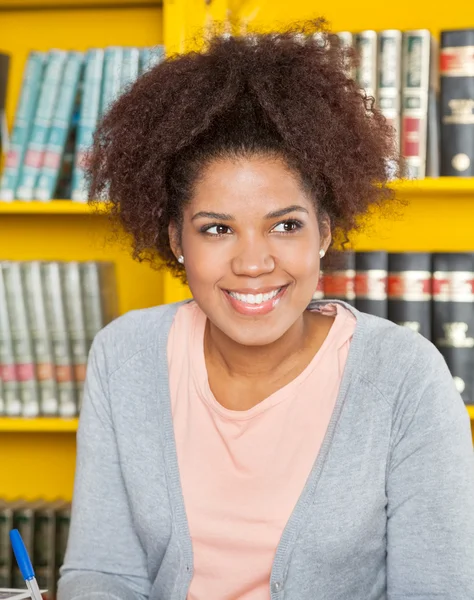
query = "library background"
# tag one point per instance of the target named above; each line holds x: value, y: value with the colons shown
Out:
x: 62, y: 276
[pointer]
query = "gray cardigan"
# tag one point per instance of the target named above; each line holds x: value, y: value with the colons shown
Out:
x: 387, y: 511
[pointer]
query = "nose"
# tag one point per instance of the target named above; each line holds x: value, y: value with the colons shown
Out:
x: 252, y: 258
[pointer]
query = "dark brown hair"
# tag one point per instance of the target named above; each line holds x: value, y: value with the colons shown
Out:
x: 283, y: 94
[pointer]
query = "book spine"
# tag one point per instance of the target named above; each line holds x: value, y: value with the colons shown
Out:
x: 44, y: 549
x: 415, y: 87
x: 346, y: 41
x: 59, y: 130
x: 41, y: 339
x: 71, y: 279
x: 21, y: 338
x: 339, y: 276
x: 457, y: 103
x: 63, y: 522
x: 410, y: 291
x: 8, y: 373
x: 99, y: 296
x: 47, y: 103
x: 366, y: 72
x: 371, y: 272
x: 150, y: 57
x: 130, y: 68
x: 6, y: 525
x: 111, y: 81
x: 390, y: 78
x: 453, y: 317
x: 56, y: 314
x: 23, y: 120
x: 89, y: 113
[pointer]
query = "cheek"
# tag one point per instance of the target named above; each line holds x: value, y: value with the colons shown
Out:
x: 205, y: 264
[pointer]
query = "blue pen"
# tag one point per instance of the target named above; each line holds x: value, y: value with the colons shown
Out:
x: 24, y: 564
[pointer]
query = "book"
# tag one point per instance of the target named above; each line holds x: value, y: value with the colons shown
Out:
x: 111, y: 79
x: 366, y: 72
x: 370, y: 284
x: 150, y: 57
x: 63, y: 522
x: 76, y: 326
x: 8, y: 372
x: 390, y: 78
x: 32, y: 78
x: 410, y: 291
x: 38, y: 138
x: 339, y: 276
x: 99, y: 296
x: 130, y: 68
x: 56, y: 316
x: 346, y: 41
x: 44, y: 555
x: 89, y: 114
x: 21, y: 340
x: 6, y: 525
x: 40, y: 337
x: 418, y: 56
x: 453, y: 317
x: 457, y: 103
x: 60, y: 128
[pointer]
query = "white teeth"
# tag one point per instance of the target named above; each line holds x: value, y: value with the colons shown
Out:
x: 254, y: 298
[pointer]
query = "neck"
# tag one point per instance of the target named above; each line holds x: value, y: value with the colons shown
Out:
x: 257, y: 361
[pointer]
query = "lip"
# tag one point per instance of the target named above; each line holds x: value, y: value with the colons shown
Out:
x: 255, y: 309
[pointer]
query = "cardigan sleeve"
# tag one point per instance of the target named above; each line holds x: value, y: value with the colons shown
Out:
x: 430, y: 489
x: 104, y: 557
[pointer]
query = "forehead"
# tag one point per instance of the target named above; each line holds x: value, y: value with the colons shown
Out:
x: 257, y: 184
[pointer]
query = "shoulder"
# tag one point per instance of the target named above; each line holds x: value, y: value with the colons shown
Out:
x: 411, y: 375
x: 392, y: 355
x: 134, y: 333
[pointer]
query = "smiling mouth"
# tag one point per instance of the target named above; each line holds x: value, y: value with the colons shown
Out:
x: 255, y: 304
x: 255, y: 298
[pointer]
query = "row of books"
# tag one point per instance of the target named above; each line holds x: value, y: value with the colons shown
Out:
x: 432, y: 293
x: 49, y: 315
x: 44, y: 528
x: 63, y: 96
x: 426, y: 91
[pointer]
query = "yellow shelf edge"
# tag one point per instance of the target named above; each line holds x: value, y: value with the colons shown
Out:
x: 40, y: 425
x: 442, y: 186
x: 470, y: 410
x: 439, y: 186
x: 55, y: 207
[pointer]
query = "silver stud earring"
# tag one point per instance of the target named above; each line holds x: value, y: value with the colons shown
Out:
x: 181, y: 259
x: 322, y: 253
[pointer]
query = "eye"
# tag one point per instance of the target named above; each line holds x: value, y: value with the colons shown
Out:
x: 216, y: 229
x: 288, y: 226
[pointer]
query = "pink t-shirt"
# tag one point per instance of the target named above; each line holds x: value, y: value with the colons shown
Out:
x: 242, y: 472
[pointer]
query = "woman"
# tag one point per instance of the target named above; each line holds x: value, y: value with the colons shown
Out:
x: 253, y: 444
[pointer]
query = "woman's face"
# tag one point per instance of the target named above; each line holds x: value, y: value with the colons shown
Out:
x: 251, y: 241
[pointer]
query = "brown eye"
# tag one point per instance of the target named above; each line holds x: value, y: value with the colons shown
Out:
x: 288, y: 226
x: 216, y: 229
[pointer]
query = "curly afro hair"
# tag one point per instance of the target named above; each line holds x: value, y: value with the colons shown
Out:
x: 283, y: 94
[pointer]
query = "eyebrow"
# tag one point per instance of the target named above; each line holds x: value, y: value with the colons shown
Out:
x: 271, y: 215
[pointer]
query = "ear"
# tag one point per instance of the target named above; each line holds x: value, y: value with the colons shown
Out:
x: 325, y: 232
x: 174, y: 237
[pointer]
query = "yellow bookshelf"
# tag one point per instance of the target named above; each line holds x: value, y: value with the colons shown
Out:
x: 43, y: 425
x: 439, y: 214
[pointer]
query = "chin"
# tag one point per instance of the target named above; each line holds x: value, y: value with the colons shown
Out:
x: 260, y: 334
